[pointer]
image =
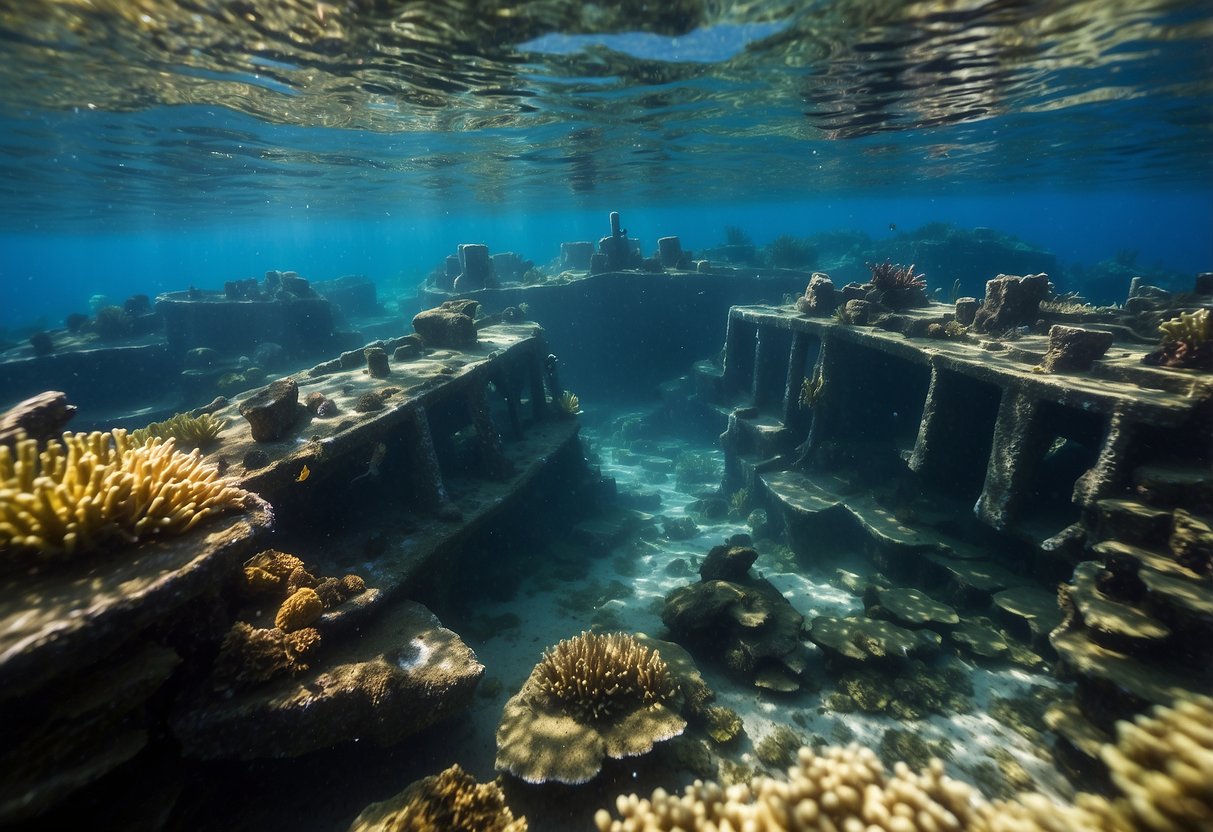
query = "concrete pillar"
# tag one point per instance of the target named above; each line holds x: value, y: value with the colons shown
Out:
x: 1018, y: 446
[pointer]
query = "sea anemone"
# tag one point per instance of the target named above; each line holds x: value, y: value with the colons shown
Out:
x: 569, y: 404
x: 189, y: 431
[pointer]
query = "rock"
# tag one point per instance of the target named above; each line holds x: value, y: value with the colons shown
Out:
x: 399, y: 675
x: 449, y: 325
x: 863, y: 639
x: 296, y: 286
x: 407, y: 351
x: 39, y: 417
x: 1204, y: 284
x: 42, y: 344
x: 1011, y: 302
x: 476, y: 268
x: 966, y: 310
x: 576, y: 256
x: 819, y: 296
x: 911, y: 608
x: 680, y: 528
x: 1033, y: 611
x: 1072, y: 349
x: 199, y: 358
x: 727, y: 563
x: 748, y: 627
x: 273, y: 410
x: 58, y: 621
x: 669, y: 251
x: 376, y: 362
x: 270, y: 355
x: 980, y: 639
x: 857, y: 311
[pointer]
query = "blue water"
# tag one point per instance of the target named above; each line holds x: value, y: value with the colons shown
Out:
x: 54, y: 269
x: 144, y: 151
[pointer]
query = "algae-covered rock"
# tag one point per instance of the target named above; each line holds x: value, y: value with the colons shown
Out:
x: 273, y: 410
x: 912, y: 608
x: 862, y: 639
x: 980, y: 639
x: 727, y: 563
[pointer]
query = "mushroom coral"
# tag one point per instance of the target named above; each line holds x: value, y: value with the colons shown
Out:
x: 590, y: 697
x: 91, y: 490
x: 448, y: 802
x: 1162, y: 765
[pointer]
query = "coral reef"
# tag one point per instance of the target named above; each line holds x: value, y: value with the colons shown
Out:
x: 590, y: 697
x: 189, y: 431
x: 788, y: 252
x: 448, y: 802
x: 92, y: 490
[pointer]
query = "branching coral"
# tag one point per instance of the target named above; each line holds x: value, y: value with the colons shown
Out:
x: 92, y: 490
x: 449, y: 802
x: 598, y: 675
x: 1162, y: 765
x: 890, y: 277
x: 591, y: 697
x: 189, y: 431
x: 1187, y: 342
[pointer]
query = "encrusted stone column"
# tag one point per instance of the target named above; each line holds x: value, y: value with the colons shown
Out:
x: 427, y: 473
x: 1018, y: 446
x: 488, y: 440
x: 738, y: 354
x: 763, y: 354
x: 798, y: 356
x: 827, y: 413
x: 1109, y: 469
x: 539, y: 401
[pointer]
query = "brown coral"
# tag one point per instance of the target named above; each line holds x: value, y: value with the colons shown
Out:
x: 302, y: 608
x: 249, y: 655
x: 449, y: 802
x: 591, y: 697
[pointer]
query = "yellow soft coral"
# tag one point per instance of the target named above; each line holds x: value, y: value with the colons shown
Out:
x: 91, y: 490
x: 1188, y: 328
x: 190, y: 431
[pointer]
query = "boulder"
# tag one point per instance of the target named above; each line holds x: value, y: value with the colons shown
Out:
x: 819, y: 296
x: 1011, y: 302
x: 273, y: 410
x: 448, y: 325
x: 1072, y: 349
x: 727, y: 563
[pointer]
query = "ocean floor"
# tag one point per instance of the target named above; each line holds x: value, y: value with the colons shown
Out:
x: 998, y: 744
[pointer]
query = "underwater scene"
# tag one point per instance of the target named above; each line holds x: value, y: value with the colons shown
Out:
x: 485, y: 416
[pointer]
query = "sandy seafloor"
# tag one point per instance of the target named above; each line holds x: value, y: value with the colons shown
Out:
x: 547, y: 609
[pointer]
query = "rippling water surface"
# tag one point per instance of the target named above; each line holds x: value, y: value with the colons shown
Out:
x: 193, y: 107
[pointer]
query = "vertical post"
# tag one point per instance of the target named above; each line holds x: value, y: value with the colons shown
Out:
x: 488, y: 441
x: 427, y: 473
x: 797, y: 356
x: 1018, y: 445
x: 1109, y: 469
